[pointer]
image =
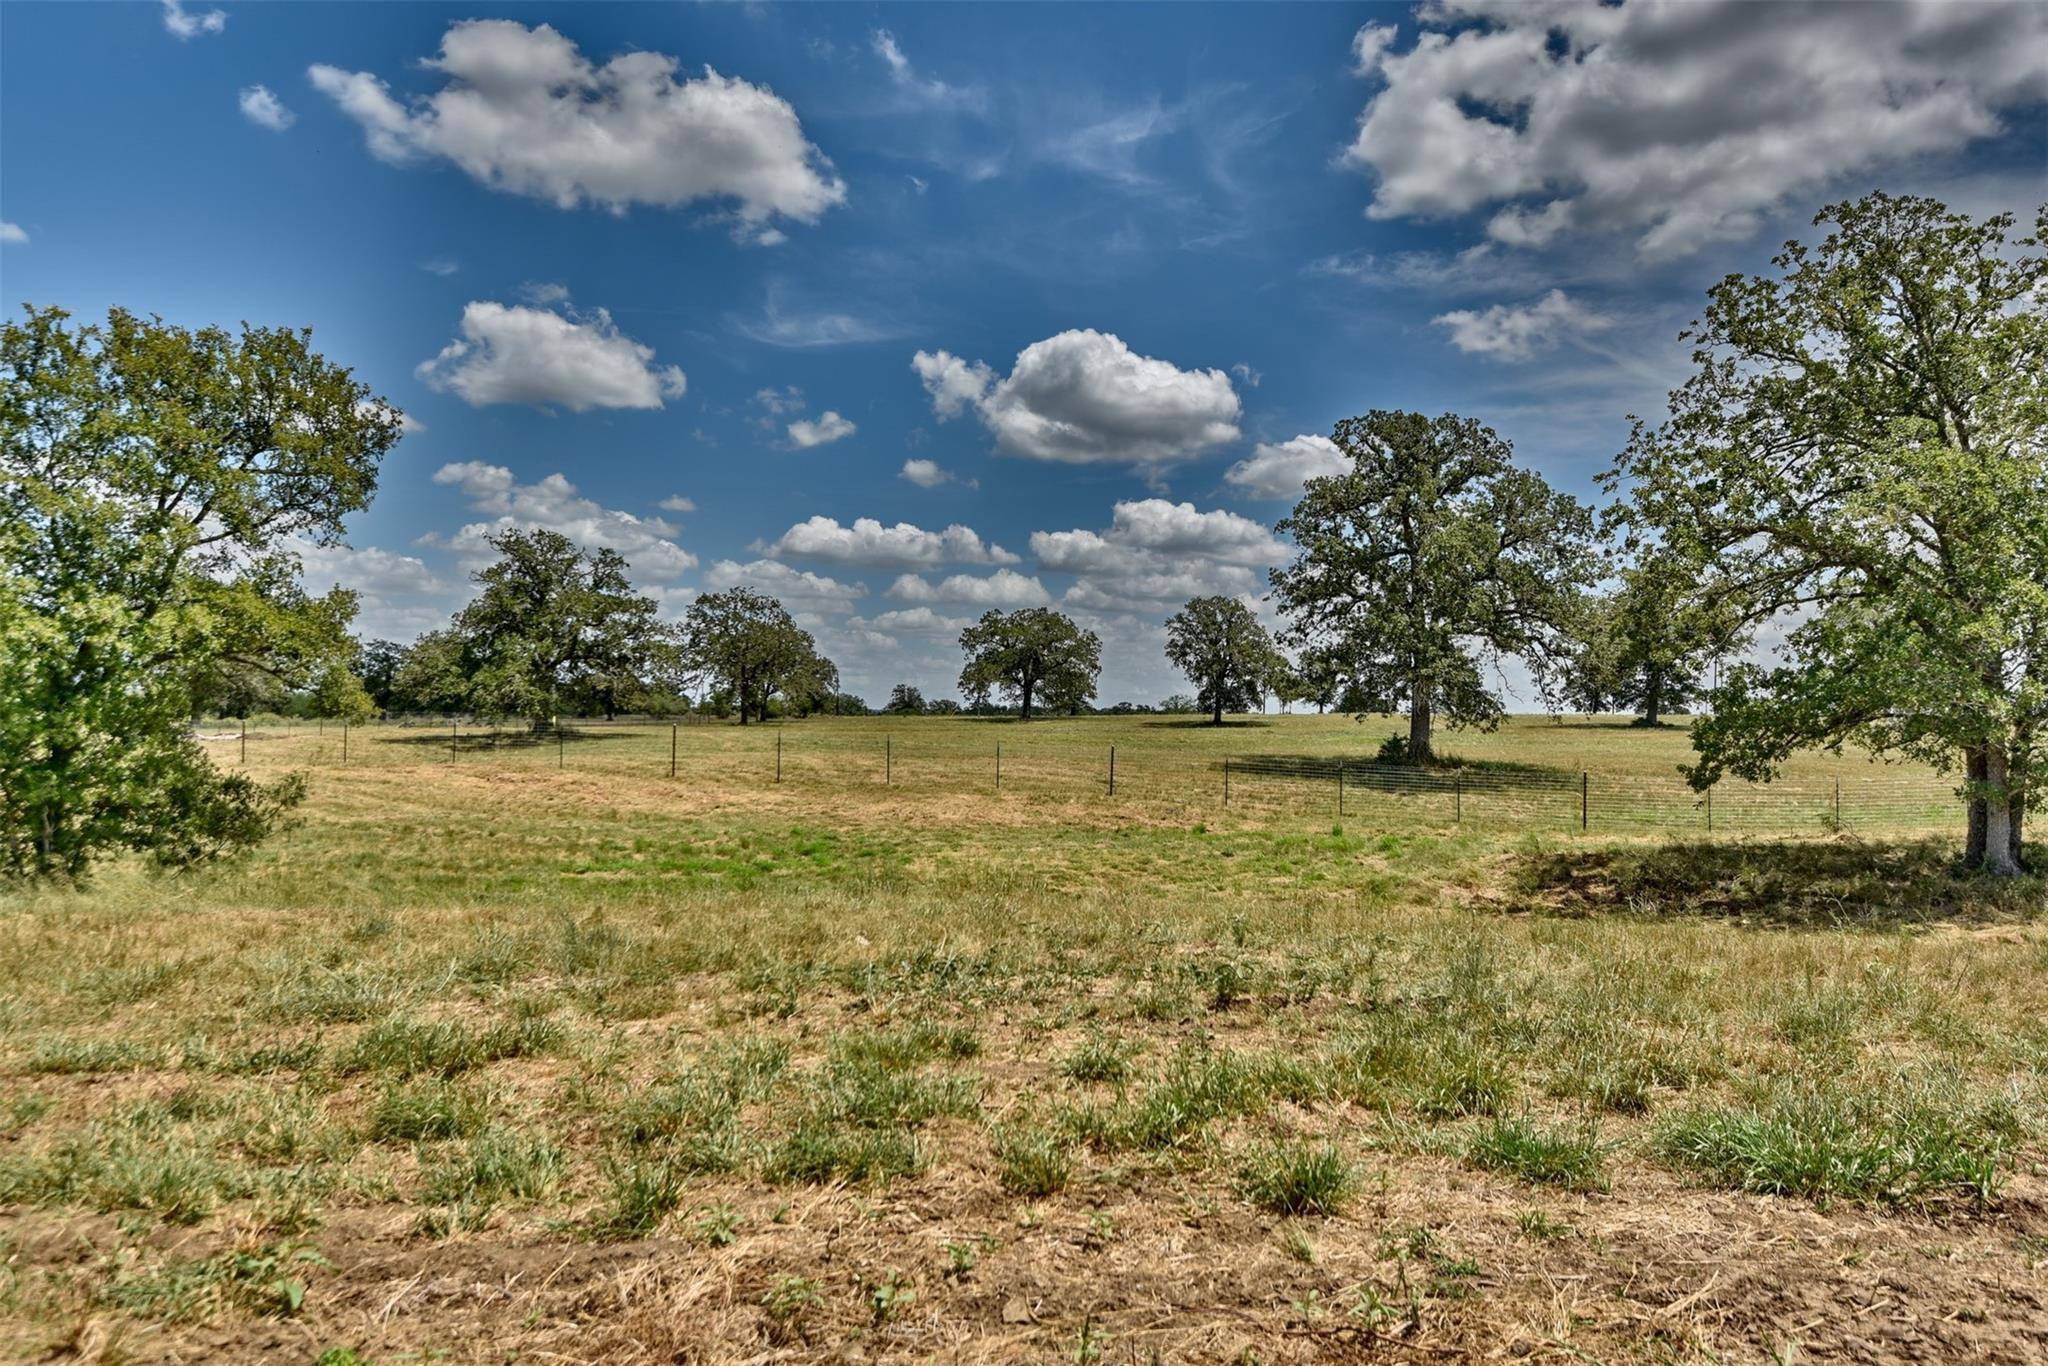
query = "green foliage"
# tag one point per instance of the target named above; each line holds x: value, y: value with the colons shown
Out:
x: 1032, y: 653
x: 340, y: 695
x: 1291, y: 1178
x: 153, y: 482
x: 1826, y: 1141
x: 905, y: 699
x: 1221, y: 647
x: 1571, y: 1160
x: 1432, y: 555
x: 556, y: 629
x: 1861, y: 445
x: 749, y: 645
x: 1032, y: 1162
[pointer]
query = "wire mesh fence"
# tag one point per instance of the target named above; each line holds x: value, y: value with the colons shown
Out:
x: 1258, y: 781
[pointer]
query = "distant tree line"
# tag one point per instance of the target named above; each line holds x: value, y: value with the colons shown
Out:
x: 1857, y: 465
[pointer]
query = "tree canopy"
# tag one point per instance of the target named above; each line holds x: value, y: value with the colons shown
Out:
x: 1646, y: 645
x: 1226, y: 654
x: 1859, y: 456
x: 154, y: 482
x: 556, y: 628
x: 1432, y: 556
x: 1032, y: 654
x: 748, y: 643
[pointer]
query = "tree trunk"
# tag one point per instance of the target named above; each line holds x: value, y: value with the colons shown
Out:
x: 1216, y: 716
x: 1653, y: 699
x: 2018, y: 827
x: 1024, y: 711
x: 1418, y: 721
x: 2001, y: 829
x: 1973, y: 777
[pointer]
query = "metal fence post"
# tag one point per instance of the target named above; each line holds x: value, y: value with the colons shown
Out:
x: 1838, y: 806
x: 1710, y: 810
x: 1585, y: 800
x: 1226, y: 783
x: 778, y: 756
x: 561, y: 744
x: 999, y: 765
x: 888, y: 760
x: 1340, y: 791
x: 454, y: 731
x: 344, y: 742
x: 1458, y: 798
x: 1112, y: 770
x: 672, y: 732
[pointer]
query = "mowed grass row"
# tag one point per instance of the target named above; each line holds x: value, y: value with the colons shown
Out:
x: 1533, y: 773
x: 490, y: 1004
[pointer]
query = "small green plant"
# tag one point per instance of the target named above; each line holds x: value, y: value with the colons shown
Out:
x: 1292, y: 1178
x: 818, y: 1152
x: 889, y: 1297
x: 1539, y: 1227
x: 436, y: 1108
x: 1099, y: 1058
x: 789, y: 1300
x: 1519, y: 1148
x: 641, y: 1196
x: 719, y: 1225
x: 1033, y: 1163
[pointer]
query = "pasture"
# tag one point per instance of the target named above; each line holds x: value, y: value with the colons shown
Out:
x: 517, y: 1047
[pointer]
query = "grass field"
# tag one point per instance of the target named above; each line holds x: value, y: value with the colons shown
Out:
x: 519, y: 1050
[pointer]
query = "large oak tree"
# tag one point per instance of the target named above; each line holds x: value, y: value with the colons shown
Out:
x: 1432, y: 556
x: 1226, y: 654
x: 1034, y: 653
x: 154, y: 483
x: 1861, y: 455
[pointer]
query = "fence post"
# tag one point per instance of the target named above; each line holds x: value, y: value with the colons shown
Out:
x: 1112, y: 770
x: 1838, y: 806
x: 245, y: 742
x: 672, y: 730
x: 1710, y: 810
x: 344, y: 743
x: 888, y: 760
x: 778, y: 756
x: 1226, y: 783
x: 999, y: 765
x: 454, y: 731
x: 1458, y: 798
x: 561, y: 744
x: 1585, y: 795
x: 1340, y: 791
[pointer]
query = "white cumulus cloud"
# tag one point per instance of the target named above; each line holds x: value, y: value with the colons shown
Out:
x: 549, y: 358
x: 929, y: 474
x: 13, y: 235
x: 1005, y: 588
x: 1156, y: 552
x: 1278, y: 469
x: 1683, y: 124
x: 868, y: 542
x: 1085, y: 397
x: 808, y: 596
x: 264, y: 109
x: 184, y: 24
x: 827, y: 428
x: 525, y: 112
x: 553, y: 504
x: 1517, y: 332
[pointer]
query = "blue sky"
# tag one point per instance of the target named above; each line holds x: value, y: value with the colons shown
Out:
x: 1063, y: 298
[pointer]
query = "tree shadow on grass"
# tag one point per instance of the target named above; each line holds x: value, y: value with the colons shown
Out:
x: 1791, y: 884
x: 510, y: 739
x: 1204, y: 723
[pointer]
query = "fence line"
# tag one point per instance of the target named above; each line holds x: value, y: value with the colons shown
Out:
x: 1273, y: 786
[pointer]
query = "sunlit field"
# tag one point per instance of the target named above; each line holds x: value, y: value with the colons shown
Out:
x: 517, y: 1046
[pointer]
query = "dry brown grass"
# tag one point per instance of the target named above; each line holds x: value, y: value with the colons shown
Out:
x: 536, y: 1062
